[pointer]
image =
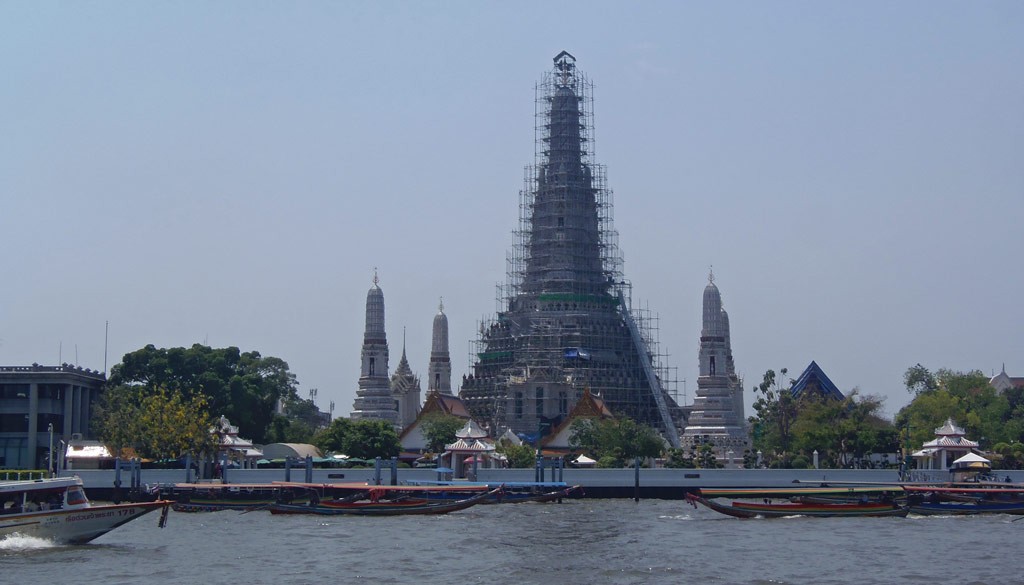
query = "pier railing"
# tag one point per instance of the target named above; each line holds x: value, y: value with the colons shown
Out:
x: 22, y: 474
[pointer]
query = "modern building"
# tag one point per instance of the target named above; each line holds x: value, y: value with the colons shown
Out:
x: 373, y: 398
x: 565, y: 320
x: 35, y: 400
x: 716, y: 417
x: 439, y: 373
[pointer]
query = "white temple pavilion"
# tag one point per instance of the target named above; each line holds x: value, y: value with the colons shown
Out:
x: 949, y: 445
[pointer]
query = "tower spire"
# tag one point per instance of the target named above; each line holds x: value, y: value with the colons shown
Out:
x: 373, y: 398
x: 568, y: 322
x: 717, y: 411
x: 439, y: 373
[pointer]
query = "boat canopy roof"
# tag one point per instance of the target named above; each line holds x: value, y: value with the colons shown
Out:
x: 39, y: 484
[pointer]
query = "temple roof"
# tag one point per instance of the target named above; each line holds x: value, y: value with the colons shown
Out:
x: 950, y: 430
x: 588, y: 406
x: 444, y: 403
x: 814, y: 379
x: 403, y: 380
x: 471, y: 430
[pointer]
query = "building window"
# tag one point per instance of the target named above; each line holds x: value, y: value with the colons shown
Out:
x: 437, y: 381
x: 372, y: 365
x: 519, y: 405
x: 712, y: 364
x: 563, y: 403
x: 561, y: 222
x: 540, y: 402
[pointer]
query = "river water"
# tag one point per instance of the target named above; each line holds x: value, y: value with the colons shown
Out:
x: 578, y: 542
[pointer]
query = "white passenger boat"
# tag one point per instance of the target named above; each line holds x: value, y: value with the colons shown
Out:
x: 57, y: 509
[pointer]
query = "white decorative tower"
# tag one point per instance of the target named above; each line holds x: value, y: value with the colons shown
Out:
x: 405, y: 389
x: 373, y: 399
x: 717, y: 414
x: 440, y: 370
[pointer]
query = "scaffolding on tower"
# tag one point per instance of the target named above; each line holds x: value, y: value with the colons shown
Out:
x: 564, y: 319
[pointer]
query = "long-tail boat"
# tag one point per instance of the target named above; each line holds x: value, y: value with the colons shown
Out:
x: 959, y: 500
x: 515, y: 492
x: 783, y: 509
x: 373, y: 502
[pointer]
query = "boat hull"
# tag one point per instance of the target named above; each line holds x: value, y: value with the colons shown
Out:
x: 813, y: 510
x: 966, y: 508
x: 75, y: 526
x: 416, y: 506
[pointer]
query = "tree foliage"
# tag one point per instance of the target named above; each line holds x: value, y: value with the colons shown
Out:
x: 158, y: 424
x: 439, y: 430
x: 788, y: 430
x: 996, y: 419
x: 678, y: 458
x: 775, y: 409
x: 618, y: 440
x: 302, y: 419
x: 519, y: 456
x: 843, y: 432
x: 919, y: 380
x: 362, y: 438
x: 244, y: 387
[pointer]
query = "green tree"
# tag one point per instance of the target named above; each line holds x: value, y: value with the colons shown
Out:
x: 844, y: 432
x: 677, y: 458
x: 970, y: 401
x: 1008, y: 456
x: 332, y: 439
x: 117, y: 419
x: 371, y: 438
x: 919, y: 380
x: 621, y: 440
x: 161, y: 424
x: 244, y: 387
x: 439, y: 430
x: 705, y: 457
x: 284, y: 429
x: 775, y: 410
x: 518, y: 456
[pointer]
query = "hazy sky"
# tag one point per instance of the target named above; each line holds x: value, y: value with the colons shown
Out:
x: 230, y: 173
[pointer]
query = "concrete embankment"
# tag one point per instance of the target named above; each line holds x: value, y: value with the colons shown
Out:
x: 597, y: 483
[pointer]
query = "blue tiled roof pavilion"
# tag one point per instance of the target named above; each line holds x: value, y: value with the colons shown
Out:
x: 814, y: 380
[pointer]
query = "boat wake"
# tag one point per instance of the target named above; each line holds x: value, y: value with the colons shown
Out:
x: 18, y: 542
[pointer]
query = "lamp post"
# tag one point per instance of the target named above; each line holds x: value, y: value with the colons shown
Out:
x: 49, y: 456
